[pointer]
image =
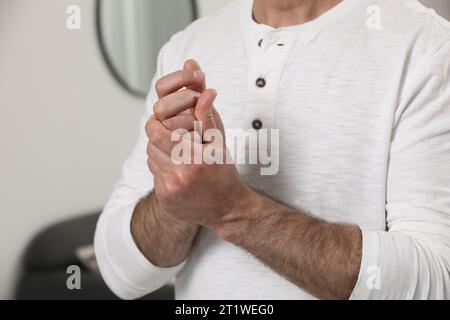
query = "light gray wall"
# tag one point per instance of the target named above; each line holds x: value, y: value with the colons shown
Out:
x: 65, y: 124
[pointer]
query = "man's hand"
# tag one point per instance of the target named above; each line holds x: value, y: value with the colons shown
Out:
x: 199, y: 194
x: 164, y: 240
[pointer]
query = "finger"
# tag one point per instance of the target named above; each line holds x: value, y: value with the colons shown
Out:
x: 154, y: 168
x: 158, y: 161
x: 158, y: 171
x: 178, y: 80
x: 175, y: 103
x: 182, y: 121
x: 189, y: 111
x: 160, y: 137
x: 158, y: 183
x: 204, y: 110
x: 192, y: 65
x: 192, y: 136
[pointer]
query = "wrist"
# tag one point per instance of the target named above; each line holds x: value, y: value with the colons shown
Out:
x: 246, y: 207
x: 182, y: 227
x: 163, y: 240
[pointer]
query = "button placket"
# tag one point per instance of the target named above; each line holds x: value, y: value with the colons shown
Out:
x: 266, y: 70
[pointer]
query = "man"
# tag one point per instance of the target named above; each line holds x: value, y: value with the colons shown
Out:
x: 360, y: 205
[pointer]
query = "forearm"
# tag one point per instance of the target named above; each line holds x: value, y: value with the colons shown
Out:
x: 163, y: 240
x: 322, y: 258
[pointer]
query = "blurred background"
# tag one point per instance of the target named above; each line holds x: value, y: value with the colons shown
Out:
x: 70, y: 102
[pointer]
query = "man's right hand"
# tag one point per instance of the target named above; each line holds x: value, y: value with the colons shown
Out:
x: 164, y: 240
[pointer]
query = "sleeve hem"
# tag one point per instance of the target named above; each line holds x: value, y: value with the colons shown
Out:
x: 126, y: 271
x: 368, y: 266
x: 136, y: 253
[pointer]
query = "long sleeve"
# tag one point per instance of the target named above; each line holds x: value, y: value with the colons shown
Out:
x: 124, y: 268
x: 411, y: 260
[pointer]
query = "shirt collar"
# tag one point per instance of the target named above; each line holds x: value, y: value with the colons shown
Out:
x: 254, y: 31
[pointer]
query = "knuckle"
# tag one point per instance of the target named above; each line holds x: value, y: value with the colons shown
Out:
x: 177, y: 178
x: 180, y: 179
x: 150, y: 124
x: 168, y: 123
x: 149, y: 165
x: 148, y: 128
x: 155, y: 137
x: 171, y: 191
x: 187, y: 76
x: 159, y: 86
x: 158, y: 108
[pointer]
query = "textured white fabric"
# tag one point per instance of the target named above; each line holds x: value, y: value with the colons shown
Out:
x: 363, y: 108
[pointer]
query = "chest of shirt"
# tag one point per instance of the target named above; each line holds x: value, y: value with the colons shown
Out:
x: 347, y: 86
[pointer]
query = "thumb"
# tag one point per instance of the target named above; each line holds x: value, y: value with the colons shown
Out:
x: 204, y: 110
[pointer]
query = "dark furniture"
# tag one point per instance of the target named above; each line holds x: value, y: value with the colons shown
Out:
x: 52, y: 251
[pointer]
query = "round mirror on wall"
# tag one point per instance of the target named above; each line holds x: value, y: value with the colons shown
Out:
x: 132, y: 32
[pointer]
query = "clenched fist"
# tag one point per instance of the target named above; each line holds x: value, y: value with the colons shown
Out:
x: 196, y: 193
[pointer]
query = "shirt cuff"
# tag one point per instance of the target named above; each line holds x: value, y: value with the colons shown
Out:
x: 126, y: 271
x: 368, y: 264
x: 388, y: 267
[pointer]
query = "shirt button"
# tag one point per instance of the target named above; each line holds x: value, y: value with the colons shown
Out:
x: 261, y: 82
x: 257, y: 124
